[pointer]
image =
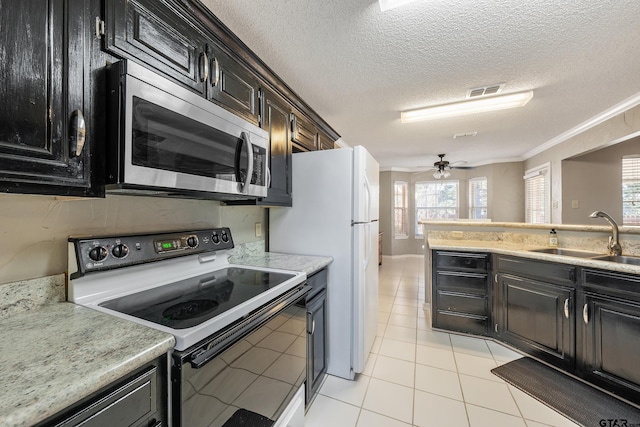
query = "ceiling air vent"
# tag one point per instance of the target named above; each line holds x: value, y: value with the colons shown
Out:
x: 484, y: 91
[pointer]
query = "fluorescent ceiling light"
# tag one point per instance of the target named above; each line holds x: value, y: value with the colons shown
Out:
x: 391, y: 4
x: 491, y: 103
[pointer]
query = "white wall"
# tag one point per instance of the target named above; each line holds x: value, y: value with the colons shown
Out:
x: 34, y: 229
x: 505, y: 200
x: 620, y: 128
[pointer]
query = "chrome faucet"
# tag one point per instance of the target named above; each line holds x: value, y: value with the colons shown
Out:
x: 614, y: 245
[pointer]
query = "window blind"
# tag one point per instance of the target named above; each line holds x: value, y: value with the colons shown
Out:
x: 631, y: 190
x: 537, y: 196
x: 478, y: 198
x: 400, y: 206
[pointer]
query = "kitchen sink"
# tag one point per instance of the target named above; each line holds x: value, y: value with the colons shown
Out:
x: 566, y: 252
x: 619, y: 258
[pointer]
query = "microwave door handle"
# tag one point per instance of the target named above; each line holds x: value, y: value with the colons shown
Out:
x: 268, y: 177
x: 243, y: 187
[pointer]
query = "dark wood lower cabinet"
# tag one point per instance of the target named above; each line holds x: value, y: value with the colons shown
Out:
x: 583, y: 321
x: 537, y: 317
x: 138, y: 400
x: 317, y: 351
x: 460, y: 292
x: 609, y: 322
x: 316, y: 307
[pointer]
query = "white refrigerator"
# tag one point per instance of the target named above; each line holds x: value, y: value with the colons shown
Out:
x: 335, y: 213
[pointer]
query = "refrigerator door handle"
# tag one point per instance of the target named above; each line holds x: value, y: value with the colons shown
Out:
x: 367, y: 246
x: 367, y: 201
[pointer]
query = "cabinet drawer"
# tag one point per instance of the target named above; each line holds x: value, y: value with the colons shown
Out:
x: 464, y: 303
x: 467, y: 282
x: 461, y: 322
x: 318, y: 283
x: 458, y: 260
x: 613, y: 284
x: 124, y: 406
x: 557, y: 273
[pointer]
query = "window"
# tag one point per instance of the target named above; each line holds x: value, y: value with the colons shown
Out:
x: 538, y: 195
x: 436, y: 200
x: 631, y: 190
x: 400, y: 209
x: 478, y: 198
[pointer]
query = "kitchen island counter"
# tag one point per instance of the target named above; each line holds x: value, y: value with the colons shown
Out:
x: 60, y: 353
x: 528, y: 251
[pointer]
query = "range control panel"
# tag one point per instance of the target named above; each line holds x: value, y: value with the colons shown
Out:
x: 105, y: 253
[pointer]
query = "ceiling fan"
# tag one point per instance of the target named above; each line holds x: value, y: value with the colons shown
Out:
x: 442, y: 167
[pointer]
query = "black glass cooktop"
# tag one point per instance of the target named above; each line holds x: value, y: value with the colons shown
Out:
x: 193, y: 301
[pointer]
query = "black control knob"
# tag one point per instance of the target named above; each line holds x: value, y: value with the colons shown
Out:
x: 215, y: 238
x: 99, y: 253
x: 225, y: 236
x: 192, y: 241
x: 120, y: 250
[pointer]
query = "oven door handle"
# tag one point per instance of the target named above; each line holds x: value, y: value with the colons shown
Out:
x: 226, y: 338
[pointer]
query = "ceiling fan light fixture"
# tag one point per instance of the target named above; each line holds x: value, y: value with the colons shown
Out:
x: 392, y: 4
x: 492, y: 103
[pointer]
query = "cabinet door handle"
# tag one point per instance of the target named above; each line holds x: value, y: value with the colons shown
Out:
x: 566, y: 308
x: 204, y: 67
x: 313, y: 327
x: 585, y: 314
x: 496, y: 278
x: 310, y: 325
x: 293, y: 125
x: 215, y: 76
x: 77, y: 134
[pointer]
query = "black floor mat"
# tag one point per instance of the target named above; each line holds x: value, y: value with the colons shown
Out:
x: 572, y: 398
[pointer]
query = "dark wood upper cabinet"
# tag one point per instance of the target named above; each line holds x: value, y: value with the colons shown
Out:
x: 232, y: 86
x: 325, y: 142
x: 154, y: 33
x: 43, y: 78
x: 53, y: 86
x: 304, y: 133
x: 276, y: 115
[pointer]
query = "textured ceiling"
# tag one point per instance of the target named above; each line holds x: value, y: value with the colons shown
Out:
x: 359, y: 67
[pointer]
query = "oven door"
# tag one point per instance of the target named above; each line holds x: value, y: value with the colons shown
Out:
x: 172, y: 139
x: 247, y: 373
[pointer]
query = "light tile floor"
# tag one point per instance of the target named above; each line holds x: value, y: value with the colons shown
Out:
x: 416, y: 376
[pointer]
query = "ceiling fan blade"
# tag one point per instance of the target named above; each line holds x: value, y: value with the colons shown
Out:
x: 462, y: 167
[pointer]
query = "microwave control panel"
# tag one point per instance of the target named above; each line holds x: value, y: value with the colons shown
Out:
x: 106, y: 253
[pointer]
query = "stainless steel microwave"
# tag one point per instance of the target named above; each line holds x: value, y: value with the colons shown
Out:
x: 163, y: 139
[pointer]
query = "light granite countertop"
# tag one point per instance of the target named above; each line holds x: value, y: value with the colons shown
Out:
x: 58, y: 354
x: 523, y: 250
x: 306, y: 263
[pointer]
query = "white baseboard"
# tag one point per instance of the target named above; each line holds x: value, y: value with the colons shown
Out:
x: 403, y: 256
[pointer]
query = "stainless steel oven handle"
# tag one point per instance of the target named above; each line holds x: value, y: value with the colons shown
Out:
x: 226, y: 338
